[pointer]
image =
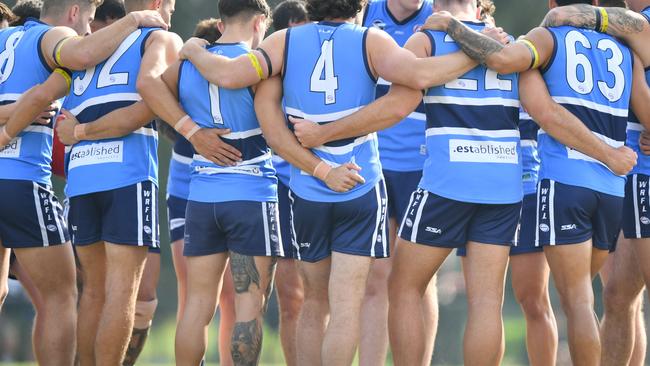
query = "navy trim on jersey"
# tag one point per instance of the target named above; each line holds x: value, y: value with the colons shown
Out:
x: 544, y: 69
x: 593, y: 118
x: 365, y: 13
x: 502, y: 120
x: 407, y: 19
x: 432, y: 40
x: 286, y: 52
x: 178, y: 83
x: 249, y: 147
x: 40, y: 52
x: 365, y: 56
x: 646, y: 16
x: 89, y: 114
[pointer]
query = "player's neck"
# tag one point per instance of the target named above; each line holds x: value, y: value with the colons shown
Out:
x: 398, y: 11
x: 235, y: 33
x: 53, y: 21
x: 462, y: 12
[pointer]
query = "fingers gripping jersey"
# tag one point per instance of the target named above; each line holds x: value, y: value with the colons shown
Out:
x: 96, y: 166
x: 634, y: 127
x: 591, y: 76
x: 28, y: 156
x: 403, y: 146
x: 473, y: 143
x: 529, y: 154
x: 253, y: 179
x: 327, y: 78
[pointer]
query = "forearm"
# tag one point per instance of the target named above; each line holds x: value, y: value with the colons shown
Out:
x: 479, y: 47
x: 119, y: 123
x: 225, y: 72
x: 435, y: 71
x: 621, y: 22
x: 162, y: 102
x: 5, y: 112
x: 27, y: 109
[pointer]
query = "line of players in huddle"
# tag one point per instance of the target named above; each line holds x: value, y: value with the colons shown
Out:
x: 457, y: 185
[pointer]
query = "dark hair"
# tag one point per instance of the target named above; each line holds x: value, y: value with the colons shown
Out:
x: 613, y: 3
x: 208, y: 30
x: 334, y: 9
x: 287, y: 12
x: 110, y: 9
x: 244, y: 8
x: 26, y: 9
x: 571, y: 2
x: 6, y: 13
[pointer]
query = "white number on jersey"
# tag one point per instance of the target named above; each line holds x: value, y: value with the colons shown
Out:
x: 579, y: 61
x: 325, y: 64
x: 8, y: 56
x: 106, y: 78
x: 215, y: 105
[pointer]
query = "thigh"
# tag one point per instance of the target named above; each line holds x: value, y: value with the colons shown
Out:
x: 92, y: 264
x: 30, y: 216
x: 311, y: 228
x: 525, y: 237
x: 347, y: 284
x: 606, y: 221
x: 130, y: 215
x: 150, y: 276
x: 621, y: 274
x: 359, y: 225
x: 204, y: 279
x: 51, y: 269
x: 571, y: 269
x: 484, y: 268
x: 203, y: 236
x: 251, y: 228
x: 315, y: 278
x: 530, y: 274
x: 414, y: 265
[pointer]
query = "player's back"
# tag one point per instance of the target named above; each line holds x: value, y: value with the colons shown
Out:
x: 327, y: 77
x: 96, y: 92
x: 472, y: 136
x: 590, y: 74
x: 634, y: 127
x: 23, y: 66
x: 253, y: 179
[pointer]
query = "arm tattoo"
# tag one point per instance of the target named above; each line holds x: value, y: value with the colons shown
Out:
x: 622, y: 22
x: 477, y: 46
x: 246, y: 343
x: 244, y: 272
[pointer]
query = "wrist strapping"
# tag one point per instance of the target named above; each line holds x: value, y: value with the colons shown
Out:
x: 80, y: 132
x: 322, y: 170
x: 186, y: 127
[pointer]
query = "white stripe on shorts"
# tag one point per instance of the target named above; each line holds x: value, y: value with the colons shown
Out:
x: 635, y: 196
x: 384, y: 235
x: 377, y: 222
x: 418, y: 217
x: 39, y: 214
x: 401, y: 225
x: 154, y: 217
x: 265, y: 218
x: 539, y: 188
x: 294, y: 237
x: 551, y: 210
x: 279, y: 230
x: 140, y: 218
x: 59, y: 226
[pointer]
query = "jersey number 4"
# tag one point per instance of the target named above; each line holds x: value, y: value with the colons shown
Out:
x: 325, y: 68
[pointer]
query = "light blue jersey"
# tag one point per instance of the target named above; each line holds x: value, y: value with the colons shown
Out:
x: 402, y: 147
x: 590, y: 75
x: 180, y: 169
x: 103, y: 165
x: 473, y: 143
x: 529, y: 154
x: 253, y: 179
x: 634, y: 128
x: 22, y: 66
x: 326, y: 78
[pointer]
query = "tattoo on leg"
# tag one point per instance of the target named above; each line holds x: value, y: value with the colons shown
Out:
x: 246, y: 343
x: 477, y: 46
x: 244, y: 272
x: 269, y: 285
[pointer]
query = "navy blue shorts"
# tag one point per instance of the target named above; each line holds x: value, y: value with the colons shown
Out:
x: 356, y: 227
x: 572, y: 215
x: 399, y: 186
x: 244, y: 227
x: 176, y: 215
x: 440, y: 222
x: 284, y: 208
x: 636, y: 207
x: 525, y: 242
x: 30, y: 215
x: 125, y: 216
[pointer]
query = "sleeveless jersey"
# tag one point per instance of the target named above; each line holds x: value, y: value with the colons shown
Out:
x: 634, y: 127
x: 22, y: 66
x: 96, y: 166
x: 402, y: 147
x: 326, y: 78
x: 590, y: 75
x: 253, y: 179
x: 529, y: 155
x: 180, y: 169
x: 473, y: 143
x: 282, y: 169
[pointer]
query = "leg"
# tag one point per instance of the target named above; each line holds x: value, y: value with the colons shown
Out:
x: 5, y: 254
x: 145, y: 308
x: 253, y: 282
x: 413, y: 267
x: 124, y: 267
x: 290, y: 298
x: 52, y: 269
x: 485, y: 269
x: 204, y: 274
x: 92, y: 259
x: 36, y: 299
x: 180, y: 267
x: 347, y: 285
x: 314, y: 313
x: 430, y: 316
x: 571, y: 269
x: 530, y: 275
x: 226, y: 318
x: 640, y: 339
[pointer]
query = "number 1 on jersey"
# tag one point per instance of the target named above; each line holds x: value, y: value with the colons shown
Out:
x: 215, y: 105
x: 325, y: 67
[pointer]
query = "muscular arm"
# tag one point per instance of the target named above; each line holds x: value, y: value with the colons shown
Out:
x: 80, y: 53
x: 161, y: 51
x: 558, y: 122
x: 640, y: 100
x: 401, y: 66
x: 628, y: 25
x: 236, y: 73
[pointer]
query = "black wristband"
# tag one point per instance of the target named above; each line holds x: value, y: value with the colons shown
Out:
x: 598, y: 19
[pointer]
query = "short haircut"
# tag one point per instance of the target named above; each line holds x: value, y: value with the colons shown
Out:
x: 56, y: 6
x: 229, y: 9
x: 110, y: 9
x: 26, y: 9
x: 334, y: 9
x: 613, y: 3
x: 287, y: 12
x: 6, y: 13
x: 207, y: 29
x: 571, y: 2
x: 487, y: 7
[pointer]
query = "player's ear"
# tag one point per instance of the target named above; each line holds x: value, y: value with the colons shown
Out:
x: 74, y: 12
x: 220, y: 26
x: 156, y: 4
x: 552, y: 4
x: 478, y: 13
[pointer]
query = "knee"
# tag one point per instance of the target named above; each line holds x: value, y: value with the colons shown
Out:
x: 144, y: 312
x: 616, y: 300
x: 291, y: 301
x: 535, y: 306
x: 377, y: 287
